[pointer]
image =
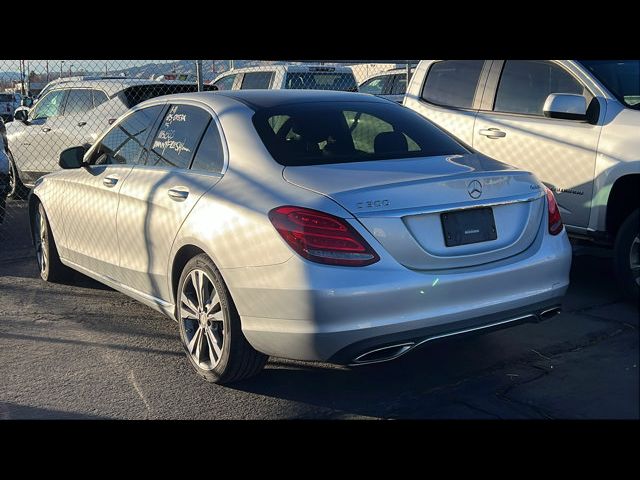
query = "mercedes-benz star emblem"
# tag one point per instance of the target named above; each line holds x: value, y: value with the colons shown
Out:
x: 475, y: 189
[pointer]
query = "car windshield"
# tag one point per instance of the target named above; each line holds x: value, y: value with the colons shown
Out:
x: 345, y: 82
x: 621, y: 77
x: 339, y: 132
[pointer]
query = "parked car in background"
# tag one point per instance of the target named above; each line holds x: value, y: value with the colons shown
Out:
x: 71, y: 113
x: 311, y: 225
x: 391, y: 84
x: 288, y: 77
x: 574, y: 123
x: 4, y: 171
x: 7, y: 106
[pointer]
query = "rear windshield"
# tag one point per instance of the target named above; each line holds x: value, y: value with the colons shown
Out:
x: 6, y: 97
x: 339, y: 132
x: 345, y: 82
x: 134, y: 95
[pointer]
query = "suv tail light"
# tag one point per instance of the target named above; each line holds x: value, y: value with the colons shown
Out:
x: 321, y: 237
x: 555, y: 221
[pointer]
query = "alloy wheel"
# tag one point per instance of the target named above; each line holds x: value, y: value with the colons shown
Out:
x: 41, y: 241
x: 202, y: 318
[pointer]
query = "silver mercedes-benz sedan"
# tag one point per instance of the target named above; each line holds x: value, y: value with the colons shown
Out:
x: 310, y: 225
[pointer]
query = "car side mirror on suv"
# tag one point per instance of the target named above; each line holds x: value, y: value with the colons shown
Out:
x: 21, y: 115
x: 27, y: 102
x: 567, y: 106
x: 73, y: 157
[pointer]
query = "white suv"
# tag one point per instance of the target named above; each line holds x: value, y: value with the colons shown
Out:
x: 72, y: 113
x: 575, y: 124
x: 297, y: 77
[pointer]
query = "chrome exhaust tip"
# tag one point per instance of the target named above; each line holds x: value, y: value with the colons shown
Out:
x: 549, y: 313
x: 383, y: 354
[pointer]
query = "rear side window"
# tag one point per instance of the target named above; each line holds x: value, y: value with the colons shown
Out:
x: 452, y: 83
x: 124, y: 142
x: 178, y: 136
x: 340, y: 132
x: 524, y: 86
x: 399, y: 84
x: 225, y: 83
x: 259, y: 80
x: 78, y: 101
x: 210, y: 154
x: 99, y: 97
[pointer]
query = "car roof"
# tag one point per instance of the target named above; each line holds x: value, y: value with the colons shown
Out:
x: 259, y: 99
x: 112, y: 86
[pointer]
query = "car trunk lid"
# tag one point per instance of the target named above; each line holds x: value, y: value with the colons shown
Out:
x: 401, y: 203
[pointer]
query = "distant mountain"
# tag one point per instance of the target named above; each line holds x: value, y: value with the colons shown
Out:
x: 210, y: 68
x: 9, y: 76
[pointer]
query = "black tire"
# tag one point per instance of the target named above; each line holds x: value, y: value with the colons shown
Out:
x: 628, y: 236
x: 237, y: 360
x: 51, y: 269
x: 17, y: 190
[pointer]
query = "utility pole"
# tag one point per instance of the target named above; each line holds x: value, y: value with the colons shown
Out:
x: 47, y: 71
x: 28, y: 77
x: 199, y: 74
x: 408, y: 73
x: 61, y: 63
x: 22, y: 77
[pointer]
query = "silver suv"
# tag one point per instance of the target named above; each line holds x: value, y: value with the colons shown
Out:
x: 73, y: 113
x: 574, y: 123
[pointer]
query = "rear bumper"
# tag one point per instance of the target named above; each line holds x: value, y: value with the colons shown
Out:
x: 307, y: 311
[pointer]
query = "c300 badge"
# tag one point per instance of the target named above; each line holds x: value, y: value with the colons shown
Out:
x: 373, y: 204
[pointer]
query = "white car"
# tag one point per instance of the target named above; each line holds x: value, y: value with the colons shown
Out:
x: 311, y: 225
x: 72, y: 113
x: 288, y: 77
x: 574, y: 123
x: 391, y: 84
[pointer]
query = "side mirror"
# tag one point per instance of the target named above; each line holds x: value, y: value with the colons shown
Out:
x: 567, y: 106
x: 72, y: 157
x: 27, y: 102
x: 21, y: 115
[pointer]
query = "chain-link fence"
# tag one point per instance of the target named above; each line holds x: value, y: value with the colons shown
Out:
x: 48, y: 106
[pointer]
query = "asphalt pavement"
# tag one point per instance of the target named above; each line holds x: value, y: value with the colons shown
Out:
x: 84, y: 351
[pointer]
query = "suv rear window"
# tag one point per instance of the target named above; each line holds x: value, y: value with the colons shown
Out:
x: 6, y: 97
x: 132, y: 96
x: 256, y: 80
x: 339, y: 132
x: 345, y: 82
x: 452, y: 83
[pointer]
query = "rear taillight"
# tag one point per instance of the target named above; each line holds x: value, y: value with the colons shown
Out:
x: 555, y: 221
x: 321, y: 237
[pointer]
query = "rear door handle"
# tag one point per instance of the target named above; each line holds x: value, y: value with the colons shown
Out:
x: 82, y: 124
x: 492, y: 133
x: 46, y: 129
x: 109, y: 181
x: 179, y: 194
